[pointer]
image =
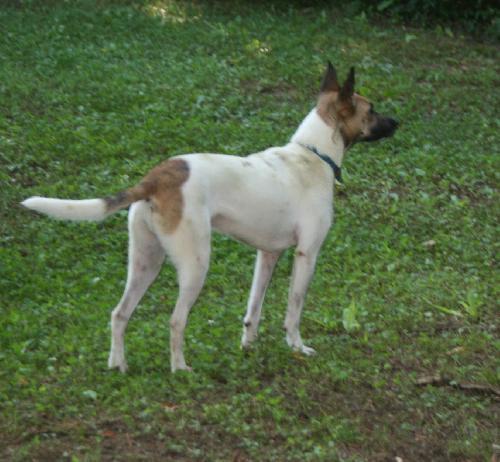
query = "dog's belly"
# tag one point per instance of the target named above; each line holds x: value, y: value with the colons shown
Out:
x: 258, y: 233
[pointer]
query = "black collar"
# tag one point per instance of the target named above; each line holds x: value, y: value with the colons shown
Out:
x: 337, y: 172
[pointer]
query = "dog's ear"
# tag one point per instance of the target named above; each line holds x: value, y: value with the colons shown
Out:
x: 347, y: 90
x: 330, y: 82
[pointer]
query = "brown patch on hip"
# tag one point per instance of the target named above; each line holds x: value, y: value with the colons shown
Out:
x: 162, y: 185
x: 165, y: 182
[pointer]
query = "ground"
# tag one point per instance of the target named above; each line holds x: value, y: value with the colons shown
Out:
x: 403, y: 307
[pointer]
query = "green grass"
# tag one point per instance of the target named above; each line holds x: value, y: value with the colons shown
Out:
x: 93, y: 94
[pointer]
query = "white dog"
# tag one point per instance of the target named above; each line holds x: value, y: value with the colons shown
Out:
x: 272, y: 200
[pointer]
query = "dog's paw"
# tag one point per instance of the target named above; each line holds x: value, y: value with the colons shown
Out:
x: 297, y: 345
x: 184, y: 367
x: 249, y: 336
x: 308, y: 351
x: 123, y: 367
x: 117, y: 363
x: 245, y: 346
x: 246, y: 342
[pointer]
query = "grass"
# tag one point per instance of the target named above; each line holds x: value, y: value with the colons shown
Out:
x: 94, y: 94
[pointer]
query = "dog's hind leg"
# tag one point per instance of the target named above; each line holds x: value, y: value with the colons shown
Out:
x: 264, y: 266
x: 189, y: 249
x: 146, y: 256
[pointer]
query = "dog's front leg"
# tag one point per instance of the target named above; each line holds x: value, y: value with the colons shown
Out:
x: 303, y: 269
x: 264, y: 266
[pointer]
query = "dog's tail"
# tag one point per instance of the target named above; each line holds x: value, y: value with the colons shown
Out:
x: 88, y: 209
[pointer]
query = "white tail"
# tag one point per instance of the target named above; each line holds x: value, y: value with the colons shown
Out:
x: 89, y: 209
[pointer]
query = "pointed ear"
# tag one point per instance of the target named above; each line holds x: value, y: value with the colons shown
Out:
x: 330, y: 82
x: 348, y: 88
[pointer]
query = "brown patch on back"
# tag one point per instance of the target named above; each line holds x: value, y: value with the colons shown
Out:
x: 162, y: 185
x: 166, y: 181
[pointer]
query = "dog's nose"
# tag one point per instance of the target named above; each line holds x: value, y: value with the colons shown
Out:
x: 393, y: 124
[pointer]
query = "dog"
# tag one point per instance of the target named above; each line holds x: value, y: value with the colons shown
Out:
x: 271, y: 200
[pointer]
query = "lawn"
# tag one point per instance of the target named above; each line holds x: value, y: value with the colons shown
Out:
x: 402, y: 309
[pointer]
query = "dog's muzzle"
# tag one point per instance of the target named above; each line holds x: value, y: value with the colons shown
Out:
x: 384, y: 128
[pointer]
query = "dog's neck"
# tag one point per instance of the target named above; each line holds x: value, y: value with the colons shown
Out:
x: 314, y: 131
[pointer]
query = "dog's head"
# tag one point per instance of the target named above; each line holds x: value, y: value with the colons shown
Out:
x: 352, y: 114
